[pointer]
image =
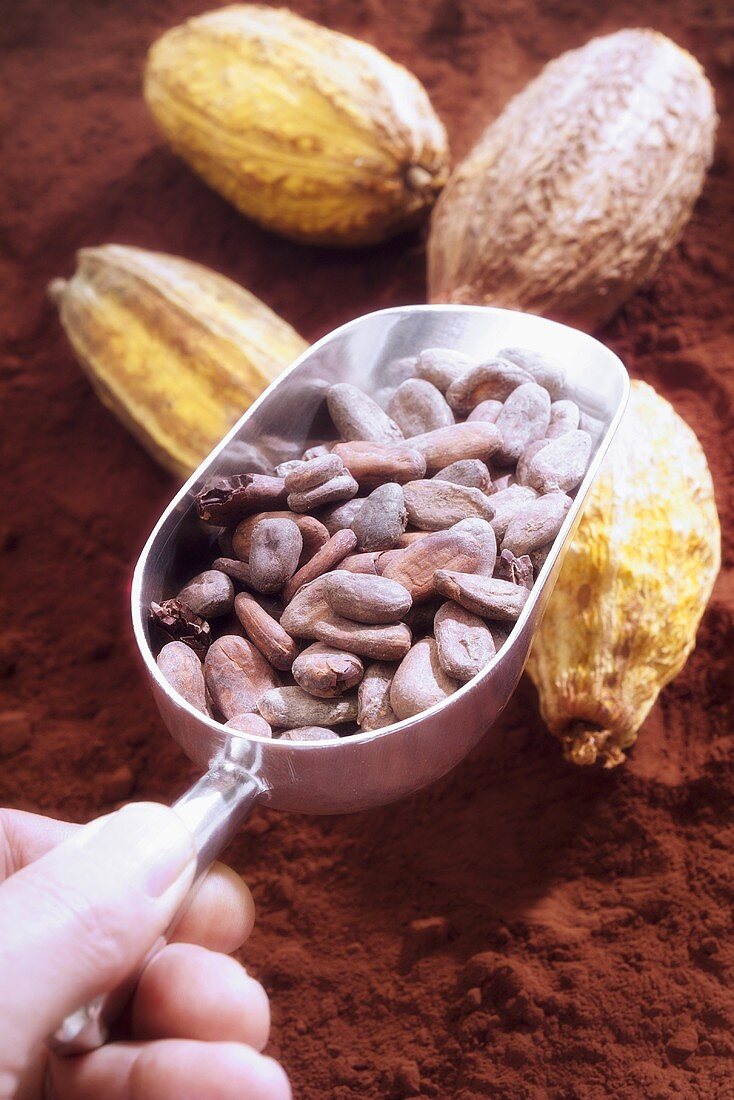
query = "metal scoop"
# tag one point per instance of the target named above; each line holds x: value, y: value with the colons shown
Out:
x: 367, y: 769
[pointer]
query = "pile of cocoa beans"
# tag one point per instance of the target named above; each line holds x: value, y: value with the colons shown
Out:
x: 368, y: 580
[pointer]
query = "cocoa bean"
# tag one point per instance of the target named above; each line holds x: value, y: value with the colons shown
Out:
x: 371, y: 464
x: 562, y: 464
x: 486, y: 410
x: 564, y: 417
x: 324, y: 560
x: 492, y: 380
x: 275, y: 549
x: 251, y: 724
x: 484, y: 535
x: 536, y: 524
x: 361, y: 563
x: 238, y: 570
x: 434, y: 505
x: 337, y: 488
x: 373, y: 697
x: 357, y: 416
x: 313, y: 533
x: 227, y: 500
x: 524, y: 418
x: 209, y: 594
x: 382, y: 519
x: 486, y: 596
x: 443, y: 446
x: 463, y: 640
x: 181, y: 668
x: 442, y: 366
x: 326, y: 672
x: 339, y: 516
x: 508, y: 503
x: 365, y: 599
x: 316, y: 451
x: 237, y: 675
x: 285, y: 468
x: 409, y: 537
x: 544, y: 370
x: 181, y: 624
x: 420, y: 682
x: 291, y: 707
x: 314, y: 472
x: 471, y: 472
x: 417, y: 407
x: 523, y: 465
x: 415, y: 567
x: 265, y: 632
x: 309, y: 733
x: 308, y: 615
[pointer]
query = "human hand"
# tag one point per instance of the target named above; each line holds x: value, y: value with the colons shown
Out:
x: 80, y: 907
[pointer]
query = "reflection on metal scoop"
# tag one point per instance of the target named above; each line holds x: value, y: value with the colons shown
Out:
x: 366, y: 769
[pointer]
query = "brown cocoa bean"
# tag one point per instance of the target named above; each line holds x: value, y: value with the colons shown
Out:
x: 373, y: 697
x: 314, y: 472
x: 486, y: 596
x: 339, y: 516
x: 357, y: 416
x: 340, y: 487
x: 250, y: 724
x: 237, y: 675
x: 361, y: 563
x: 420, y: 682
x: 508, y: 503
x: 209, y: 594
x: 181, y: 668
x: 564, y: 417
x: 238, y: 570
x: 484, y: 535
x: 446, y: 445
x: 365, y: 599
x: 544, y: 370
x: 285, y: 468
x: 442, y: 366
x: 434, y: 505
x: 227, y: 500
x: 486, y: 410
x: 417, y: 406
x: 275, y: 549
x: 524, y: 418
x: 292, y: 707
x: 181, y: 624
x: 309, y: 733
x: 463, y: 640
x: 471, y: 472
x: 316, y: 451
x: 523, y: 465
x: 409, y: 537
x: 536, y: 524
x: 562, y: 464
x: 371, y: 464
x: 313, y: 533
x: 265, y: 632
x: 324, y: 560
x: 493, y: 380
x: 382, y: 519
x: 326, y: 672
x: 308, y: 615
x: 415, y: 567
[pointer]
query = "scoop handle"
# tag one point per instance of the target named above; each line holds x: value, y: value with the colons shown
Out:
x: 213, y: 809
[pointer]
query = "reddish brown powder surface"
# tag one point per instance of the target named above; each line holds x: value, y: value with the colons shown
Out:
x: 574, y: 929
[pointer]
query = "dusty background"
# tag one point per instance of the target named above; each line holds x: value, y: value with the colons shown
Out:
x: 580, y: 941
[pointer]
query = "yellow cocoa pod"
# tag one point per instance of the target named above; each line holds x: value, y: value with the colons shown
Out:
x: 571, y: 198
x: 623, y: 616
x: 176, y: 351
x: 313, y: 134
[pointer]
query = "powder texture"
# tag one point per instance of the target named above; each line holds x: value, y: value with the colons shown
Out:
x: 522, y: 930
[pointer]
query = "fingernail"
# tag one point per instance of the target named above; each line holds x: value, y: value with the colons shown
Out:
x: 145, y: 839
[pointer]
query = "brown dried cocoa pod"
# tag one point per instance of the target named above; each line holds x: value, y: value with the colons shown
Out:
x: 518, y: 570
x: 486, y: 410
x: 365, y: 599
x: 338, y: 516
x: 464, y: 642
x: 324, y: 560
x: 209, y: 594
x: 562, y: 464
x: 181, y: 624
x: 471, y: 472
x: 564, y: 417
x: 250, y: 724
x: 525, y: 417
x: 536, y: 524
x: 415, y: 567
x: 238, y: 570
x: 313, y: 533
x: 275, y: 549
x: 442, y: 366
x: 326, y: 672
x: 357, y: 416
x: 181, y: 668
x: 443, y: 446
x: 523, y: 465
x: 507, y: 503
x: 382, y: 519
x: 418, y: 406
x: 486, y: 596
x: 542, y: 368
x: 373, y: 697
x: 237, y: 675
x: 493, y: 380
x: 309, y: 733
x: 483, y: 533
x: 265, y: 632
x: 227, y: 500
x: 308, y: 615
x: 419, y: 682
x: 434, y: 505
x: 291, y: 707
x: 372, y: 464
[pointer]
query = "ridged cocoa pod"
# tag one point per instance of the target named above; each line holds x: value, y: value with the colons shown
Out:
x: 571, y: 198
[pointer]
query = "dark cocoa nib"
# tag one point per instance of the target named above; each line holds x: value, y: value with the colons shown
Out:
x: 181, y: 624
x: 227, y: 500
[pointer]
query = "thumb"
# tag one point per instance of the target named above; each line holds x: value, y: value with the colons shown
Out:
x: 77, y: 921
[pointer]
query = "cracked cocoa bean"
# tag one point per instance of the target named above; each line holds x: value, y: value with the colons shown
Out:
x: 326, y: 672
x: 227, y: 500
x: 182, y: 624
